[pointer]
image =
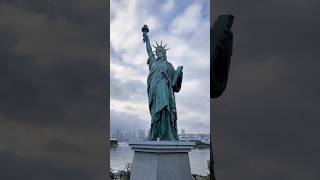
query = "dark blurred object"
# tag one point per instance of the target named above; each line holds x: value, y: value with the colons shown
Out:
x: 221, y: 51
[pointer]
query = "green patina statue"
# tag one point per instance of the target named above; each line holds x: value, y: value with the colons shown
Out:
x: 163, y: 81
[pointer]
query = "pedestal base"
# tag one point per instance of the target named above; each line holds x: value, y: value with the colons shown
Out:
x: 161, y: 160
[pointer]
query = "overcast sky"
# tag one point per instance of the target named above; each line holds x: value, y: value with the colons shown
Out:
x: 184, y: 26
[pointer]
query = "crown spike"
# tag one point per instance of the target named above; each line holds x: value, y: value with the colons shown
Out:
x: 154, y: 46
x: 164, y: 46
x: 167, y: 49
x: 161, y: 43
x: 157, y: 43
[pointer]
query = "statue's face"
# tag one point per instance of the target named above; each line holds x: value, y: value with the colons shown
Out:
x: 159, y: 54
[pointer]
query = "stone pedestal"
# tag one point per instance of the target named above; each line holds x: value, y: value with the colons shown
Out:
x: 161, y: 160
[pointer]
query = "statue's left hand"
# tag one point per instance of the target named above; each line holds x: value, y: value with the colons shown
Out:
x: 225, y: 43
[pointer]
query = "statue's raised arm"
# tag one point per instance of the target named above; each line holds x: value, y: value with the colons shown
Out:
x: 145, y: 30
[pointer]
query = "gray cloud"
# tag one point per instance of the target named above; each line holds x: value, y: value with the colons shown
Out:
x: 130, y: 90
x: 267, y: 122
x: 126, y: 122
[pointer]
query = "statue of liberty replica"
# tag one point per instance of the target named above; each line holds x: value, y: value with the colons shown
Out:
x: 163, y: 81
x: 163, y: 156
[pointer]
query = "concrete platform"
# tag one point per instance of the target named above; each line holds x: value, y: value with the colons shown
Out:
x: 161, y: 160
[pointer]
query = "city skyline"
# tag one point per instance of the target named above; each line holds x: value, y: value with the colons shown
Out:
x: 142, y: 134
x: 145, y: 131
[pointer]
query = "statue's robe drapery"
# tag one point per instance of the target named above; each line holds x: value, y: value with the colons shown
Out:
x: 162, y: 104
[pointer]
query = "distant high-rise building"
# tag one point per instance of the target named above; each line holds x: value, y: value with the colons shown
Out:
x: 141, y: 134
x: 118, y: 134
x: 183, y: 131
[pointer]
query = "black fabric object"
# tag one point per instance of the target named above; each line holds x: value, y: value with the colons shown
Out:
x: 219, y: 62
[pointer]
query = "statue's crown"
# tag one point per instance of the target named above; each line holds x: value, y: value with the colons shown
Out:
x: 160, y: 47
